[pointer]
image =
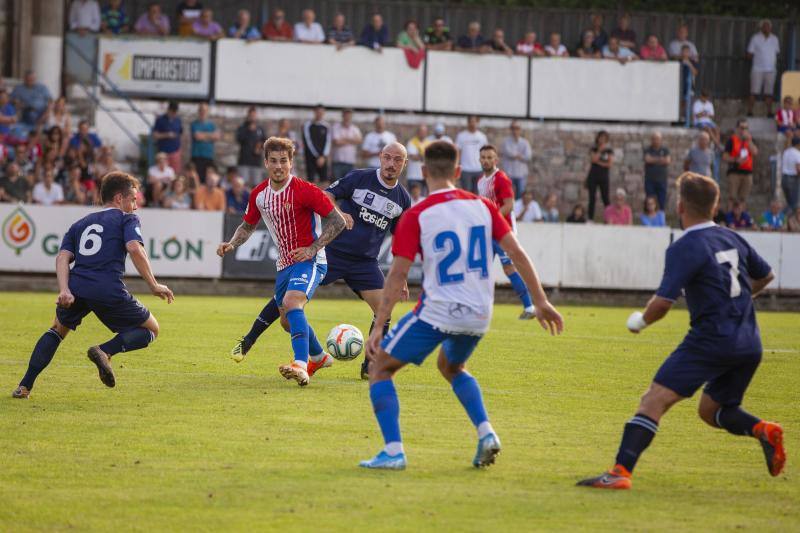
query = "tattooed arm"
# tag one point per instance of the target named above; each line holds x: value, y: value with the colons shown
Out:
x: 240, y: 236
x: 332, y: 225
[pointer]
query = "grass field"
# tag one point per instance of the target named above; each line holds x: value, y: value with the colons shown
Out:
x: 188, y: 440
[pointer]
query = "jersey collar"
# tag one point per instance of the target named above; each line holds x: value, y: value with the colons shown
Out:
x: 446, y: 189
x: 490, y: 176
x: 269, y: 185
x: 380, y: 180
x: 702, y: 225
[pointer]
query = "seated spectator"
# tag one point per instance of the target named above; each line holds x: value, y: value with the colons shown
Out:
x: 703, y: 116
x: 738, y: 218
x: 113, y: 18
x: 309, y: 31
x: 472, y: 41
x: 14, y: 187
x: 205, y: 26
x: 529, y: 46
x: 415, y: 191
x: 192, y: 178
x: 374, y: 142
x: 498, y: 43
x: 786, y: 120
x: 600, y: 35
x: 32, y: 99
x: 623, y: 32
x: 613, y: 50
x: 8, y: 115
x: 55, y: 142
x: 153, y: 22
x: 159, y: 177
x: 210, y: 197
x: 682, y: 39
x: 700, y: 156
x: 26, y: 159
x: 527, y: 209
x: 105, y: 162
x: 550, y: 212
x: 83, y: 137
x: 793, y: 222
x: 375, y: 35
x: 587, y: 49
x: 276, y: 28
x: 237, y: 197
x: 652, y: 216
x: 57, y: 115
x: 339, y: 34
x: 411, y: 43
x: 187, y: 13
x: 619, y: 212
x: 652, y: 50
x: 774, y: 218
x: 84, y: 16
x: 47, y: 191
x: 178, y: 196
x: 578, y: 215
x: 554, y: 47
x: 243, y: 29
x: 75, y: 191
x: 437, y: 37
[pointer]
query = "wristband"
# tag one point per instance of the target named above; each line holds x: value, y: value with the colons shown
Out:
x: 636, y: 321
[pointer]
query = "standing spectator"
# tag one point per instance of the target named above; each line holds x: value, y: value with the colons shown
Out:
x: 529, y: 46
x: 236, y: 197
x: 8, y: 115
x: 84, y: 16
x: 738, y: 218
x: 689, y: 73
x: 159, y: 177
x: 700, y: 157
x: 416, y: 151
x: 205, y: 26
x: 210, y: 197
x: 276, y: 28
x: 600, y: 35
x: 317, y: 145
x: 346, y: 139
x: 498, y: 43
x: 113, y: 18
x: 47, y: 191
x: 439, y: 134
x: 153, y: 22
x: 410, y: 42
x: 178, y: 196
x: 167, y: 133
x: 550, y: 212
x: 739, y: 152
x: 57, y: 115
x: 231, y: 173
x: 32, y: 99
x: 375, y: 35
x: 286, y: 132
x: 437, y: 37
x: 204, y: 134
x: 623, y: 32
x: 339, y: 34
x: 602, y: 157
x: 652, y: 50
x: 527, y: 209
x: 763, y: 50
x: 187, y: 13
x: 682, y: 39
x: 793, y: 222
x: 586, y: 48
x: 243, y: 29
x: 516, y: 154
x: 652, y: 216
x: 472, y: 41
x: 251, y: 137
x: 578, y: 215
x: 614, y: 50
x: 309, y: 31
x: 374, y: 142
x: 619, y: 213
x: 703, y: 116
x: 14, y: 187
x: 790, y: 174
x: 554, y: 47
x: 469, y: 143
x: 774, y: 218
x: 415, y: 192
x: 656, y: 166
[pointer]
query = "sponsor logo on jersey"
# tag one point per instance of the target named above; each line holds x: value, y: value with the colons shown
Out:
x: 368, y: 216
x: 369, y: 198
x: 18, y: 230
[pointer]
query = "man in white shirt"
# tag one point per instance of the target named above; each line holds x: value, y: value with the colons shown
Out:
x: 682, y: 39
x: 375, y: 141
x: 763, y: 50
x: 47, y: 192
x: 84, y: 16
x: 469, y: 142
x: 516, y: 153
x: 309, y: 31
x: 416, y: 150
x: 346, y: 138
x: 439, y: 134
x: 790, y: 181
x: 703, y: 117
x: 160, y: 177
x: 526, y: 209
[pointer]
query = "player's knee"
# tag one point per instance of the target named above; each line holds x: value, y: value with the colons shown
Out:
x: 379, y: 368
x: 60, y: 328
x: 152, y: 325
x: 707, y: 410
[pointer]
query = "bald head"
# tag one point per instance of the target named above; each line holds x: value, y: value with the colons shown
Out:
x: 393, y: 161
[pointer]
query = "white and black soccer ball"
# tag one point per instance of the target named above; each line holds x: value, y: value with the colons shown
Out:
x: 345, y: 342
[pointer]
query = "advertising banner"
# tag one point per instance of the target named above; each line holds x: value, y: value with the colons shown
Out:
x: 255, y: 259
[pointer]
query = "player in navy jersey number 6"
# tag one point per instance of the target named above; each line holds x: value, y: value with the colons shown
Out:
x: 98, y: 244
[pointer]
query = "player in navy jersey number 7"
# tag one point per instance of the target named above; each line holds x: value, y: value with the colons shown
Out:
x: 98, y: 244
x: 720, y: 274
x: 371, y: 201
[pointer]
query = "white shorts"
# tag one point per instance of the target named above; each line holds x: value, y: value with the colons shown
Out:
x: 762, y: 82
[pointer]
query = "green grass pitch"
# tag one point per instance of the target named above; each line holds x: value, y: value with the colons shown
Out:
x: 189, y: 440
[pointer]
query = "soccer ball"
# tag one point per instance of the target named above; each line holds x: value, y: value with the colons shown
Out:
x: 345, y: 342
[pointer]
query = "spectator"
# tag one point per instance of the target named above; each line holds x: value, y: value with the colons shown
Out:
x: 32, y: 99
x: 516, y: 155
x: 578, y: 215
x: 437, y: 37
x: 619, y: 213
x: 159, y: 177
x: 105, y: 162
x: 738, y: 218
x: 793, y: 222
x: 682, y: 39
x: 623, y: 32
x: 652, y: 216
x: 8, y: 115
x: 113, y: 18
x: 204, y: 134
x: 276, y: 28
x: 786, y: 121
x: 55, y: 142
x: 84, y: 16
x: 317, y: 145
x: 243, y: 29
x: 346, y: 140
x: 703, y: 116
x: 652, y: 50
x: 26, y: 157
x: 76, y: 193
x: 472, y: 41
x: 192, y: 177
x: 415, y: 191
x: 187, y: 14
x: 153, y: 22
x: 205, y: 26
x: 613, y: 50
x: 47, y: 191
x: 410, y: 42
x: 700, y: 156
x: 529, y: 46
x: 555, y: 48
x: 469, y: 142
x: 375, y: 35
x: 689, y: 73
x: 774, y: 218
x: 286, y: 132
x: 178, y: 196
x: 237, y: 197
x: 309, y: 31
x: 374, y: 142
x: 339, y: 34
x: 602, y: 157
x: 763, y: 50
x: 600, y: 35
x: 231, y: 173
x: 251, y: 137
x: 210, y: 197
x: 526, y: 209
x: 656, y: 166
x: 498, y: 43
x: 587, y: 49
x: 739, y: 152
x: 550, y: 212
x: 790, y: 174
x: 415, y: 149
x: 14, y: 187
x: 57, y: 115
x: 87, y: 139
x: 167, y: 133
x: 439, y: 134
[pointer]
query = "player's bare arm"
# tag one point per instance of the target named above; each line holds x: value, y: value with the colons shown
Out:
x: 332, y: 225
x: 143, y: 267
x: 240, y: 236
x: 758, y: 285
x: 63, y: 260
x: 348, y: 220
x: 393, y: 291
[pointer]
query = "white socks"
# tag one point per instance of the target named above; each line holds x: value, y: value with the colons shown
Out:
x: 318, y: 358
x: 393, y: 448
x: 530, y: 309
x: 484, y: 428
x: 301, y: 364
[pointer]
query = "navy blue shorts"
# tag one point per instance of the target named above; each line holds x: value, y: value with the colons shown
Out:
x: 358, y: 274
x: 726, y: 376
x: 412, y: 340
x: 120, y: 315
x: 504, y: 260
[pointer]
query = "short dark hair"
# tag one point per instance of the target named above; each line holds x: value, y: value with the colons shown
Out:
x: 278, y: 144
x: 172, y: 105
x: 699, y: 194
x: 114, y: 183
x: 440, y: 159
x: 486, y: 147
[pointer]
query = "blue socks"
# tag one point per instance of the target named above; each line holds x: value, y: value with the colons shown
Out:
x: 298, y: 329
x: 135, y: 339
x: 387, y: 410
x: 42, y: 354
x: 266, y: 317
x: 469, y: 394
x: 314, y: 347
x: 639, y: 433
x: 521, y: 289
